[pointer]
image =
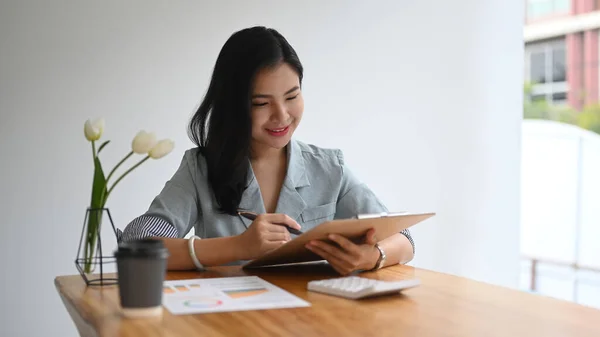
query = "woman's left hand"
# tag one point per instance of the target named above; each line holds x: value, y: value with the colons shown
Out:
x: 348, y: 256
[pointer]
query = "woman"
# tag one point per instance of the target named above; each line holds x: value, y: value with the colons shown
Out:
x: 246, y: 160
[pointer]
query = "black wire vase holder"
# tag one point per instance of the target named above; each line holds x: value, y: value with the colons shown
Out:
x: 89, y: 262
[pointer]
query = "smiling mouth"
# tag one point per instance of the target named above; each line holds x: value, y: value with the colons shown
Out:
x: 279, y: 131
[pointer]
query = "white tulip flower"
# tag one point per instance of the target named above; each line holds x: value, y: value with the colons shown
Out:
x: 143, y: 142
x: 162, y: 148
x: 93, y: 130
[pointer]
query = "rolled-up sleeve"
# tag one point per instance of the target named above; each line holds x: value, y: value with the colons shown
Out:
x: 174, y: 211
x: 356, y: 197
x: 145, y: 226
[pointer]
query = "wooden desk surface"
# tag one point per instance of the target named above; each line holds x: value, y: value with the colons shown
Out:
x: 443, y: 305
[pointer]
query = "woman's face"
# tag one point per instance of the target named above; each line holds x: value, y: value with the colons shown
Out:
x: 277, y: 106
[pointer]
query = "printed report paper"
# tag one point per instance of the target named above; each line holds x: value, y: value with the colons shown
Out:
x: 226, y: 294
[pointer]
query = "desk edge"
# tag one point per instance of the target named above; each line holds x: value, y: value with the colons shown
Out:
x: 83, y: 326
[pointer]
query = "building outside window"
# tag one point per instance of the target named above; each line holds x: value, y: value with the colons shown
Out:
x: 545, y: 69
x: 560, y: 142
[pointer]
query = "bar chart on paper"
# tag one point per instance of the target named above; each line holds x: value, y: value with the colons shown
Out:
x: 226, y: 294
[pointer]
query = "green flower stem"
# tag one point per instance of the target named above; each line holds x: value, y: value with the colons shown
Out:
x: 125, y: 174
x: 94, y: 222
x: 88, y: 249
x: 117, y: 166
x: 95, y: 217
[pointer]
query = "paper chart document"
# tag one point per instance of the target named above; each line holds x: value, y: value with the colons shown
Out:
x: 226, y: 294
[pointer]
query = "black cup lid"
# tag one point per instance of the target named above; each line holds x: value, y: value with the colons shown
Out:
x: 152, y: 248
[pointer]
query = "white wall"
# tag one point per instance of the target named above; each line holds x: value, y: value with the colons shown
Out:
x: 424, y: 98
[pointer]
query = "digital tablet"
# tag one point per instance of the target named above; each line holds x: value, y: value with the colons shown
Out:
x: 385, y: 225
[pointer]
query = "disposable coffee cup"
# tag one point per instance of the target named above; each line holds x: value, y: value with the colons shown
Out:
x: 141, y: 268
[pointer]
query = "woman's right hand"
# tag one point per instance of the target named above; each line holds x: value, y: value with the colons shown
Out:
x: 267, y: 232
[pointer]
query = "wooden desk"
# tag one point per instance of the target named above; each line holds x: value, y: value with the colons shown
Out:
x: 443, y: 305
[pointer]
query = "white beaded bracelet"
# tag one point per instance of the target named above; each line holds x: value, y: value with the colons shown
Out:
x: 197, y: 263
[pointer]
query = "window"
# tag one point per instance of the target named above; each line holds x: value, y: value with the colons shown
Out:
x: 545, y: 68
x: 537, y: 9
x: 538, y: 67
x: 558, y: 65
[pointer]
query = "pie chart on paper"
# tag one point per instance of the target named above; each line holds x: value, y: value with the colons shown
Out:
x: 202, y: 303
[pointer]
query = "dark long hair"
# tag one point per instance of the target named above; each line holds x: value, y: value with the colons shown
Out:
x: 222, y: 126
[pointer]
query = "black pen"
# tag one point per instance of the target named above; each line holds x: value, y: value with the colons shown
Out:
x: 252, y: 216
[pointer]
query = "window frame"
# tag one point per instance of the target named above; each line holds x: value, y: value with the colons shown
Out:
x: 550, y: 87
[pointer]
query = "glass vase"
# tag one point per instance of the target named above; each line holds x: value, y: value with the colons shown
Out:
x: 91, y: 261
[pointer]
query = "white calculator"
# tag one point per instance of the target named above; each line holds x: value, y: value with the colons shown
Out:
x: 354, y: 287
